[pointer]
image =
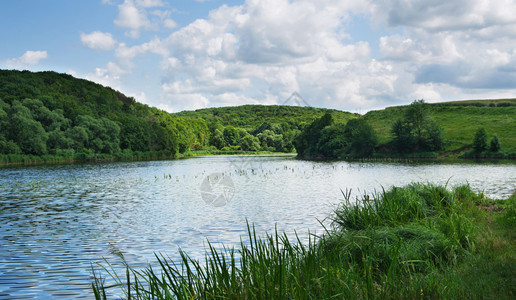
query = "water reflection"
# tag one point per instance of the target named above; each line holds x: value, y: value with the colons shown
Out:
x: 56, y: 220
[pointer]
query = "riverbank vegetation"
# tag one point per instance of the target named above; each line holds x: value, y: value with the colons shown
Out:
x: 418, y: 241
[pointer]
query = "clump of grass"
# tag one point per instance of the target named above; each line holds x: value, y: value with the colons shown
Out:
x: 396, y: 244
x: 509, y: 215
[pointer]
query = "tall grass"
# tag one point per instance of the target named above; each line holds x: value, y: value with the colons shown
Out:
x: 395, y: 244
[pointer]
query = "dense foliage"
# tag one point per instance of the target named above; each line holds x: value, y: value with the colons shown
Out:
x: 260, y: 127
x: 416, y: 132
x: 325, y: 138
x: 47, y: 113
x: 50, y: 113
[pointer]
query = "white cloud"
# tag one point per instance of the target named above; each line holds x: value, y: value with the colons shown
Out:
x: 98, y: 40
x: 125, y: 55
x: 188, y: 101
x: 28, y: 59
x: 169, y: 23
x: 133, y: 18
x: 263, y: 50
x: 108, y: 76
x: 150, y: 3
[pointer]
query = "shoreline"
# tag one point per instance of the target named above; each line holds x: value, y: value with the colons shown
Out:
x: 30, y: 160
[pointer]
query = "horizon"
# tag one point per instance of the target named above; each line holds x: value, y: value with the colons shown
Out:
x: 278, y: 104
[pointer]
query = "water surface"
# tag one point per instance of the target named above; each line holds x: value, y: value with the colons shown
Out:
x: 55, y: 221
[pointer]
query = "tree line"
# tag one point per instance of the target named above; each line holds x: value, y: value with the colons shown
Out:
x: 414, y: 132
x: 47, y: 113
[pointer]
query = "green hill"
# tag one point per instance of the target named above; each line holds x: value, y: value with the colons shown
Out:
x: 49, y: 114
x: 459, y: 121
x: 252, y: 116
x: 260, y: 127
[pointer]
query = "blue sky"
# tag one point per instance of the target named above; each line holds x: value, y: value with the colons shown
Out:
x: 343, y: 54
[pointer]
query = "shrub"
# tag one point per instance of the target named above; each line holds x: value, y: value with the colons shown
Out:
x: 494, y: 145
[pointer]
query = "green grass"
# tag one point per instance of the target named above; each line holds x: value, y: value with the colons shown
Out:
x: 459, y: 120
x: 419, y: 241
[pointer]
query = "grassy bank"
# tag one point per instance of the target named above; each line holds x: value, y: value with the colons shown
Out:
x: 420, y: 241
x: 459, y: 121
x: 78, y: 157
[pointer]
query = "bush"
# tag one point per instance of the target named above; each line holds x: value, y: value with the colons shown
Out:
x: 494, y: 145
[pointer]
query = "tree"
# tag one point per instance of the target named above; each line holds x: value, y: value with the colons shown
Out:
x: 416, y: 132
x: 403, y: 139
x: 433, y: 136
x: 495, y: 144
x: 268, y: 139
x: 78, y: 136
x: 217, y: 139
x: 28, y: 133
x: 306, y: 143
x: 480, y: 141
x: 231, y: 136
x: 249, y: 143
x: 361, y: 138
x: 332, y: 142
x: 416, y: 115
x: 58, y: 140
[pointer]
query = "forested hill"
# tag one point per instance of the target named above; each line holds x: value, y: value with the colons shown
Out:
x: 251, y: 116
x: 47, y: 114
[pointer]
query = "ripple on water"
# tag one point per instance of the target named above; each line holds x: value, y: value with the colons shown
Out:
x: 56, y: 221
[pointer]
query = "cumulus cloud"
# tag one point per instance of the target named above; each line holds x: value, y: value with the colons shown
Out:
x: 263, y: 50
x: 108, y: 75
x: 132, y: 17
x: 28, y: 59
x: 98, y: 40
x: 451, y: 48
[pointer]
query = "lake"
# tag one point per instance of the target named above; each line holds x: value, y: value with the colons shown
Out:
x: 58, y: 220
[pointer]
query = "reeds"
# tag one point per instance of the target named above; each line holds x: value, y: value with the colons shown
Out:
x: 389, y: 245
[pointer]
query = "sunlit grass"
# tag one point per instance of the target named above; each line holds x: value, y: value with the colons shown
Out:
x: 459, y: 123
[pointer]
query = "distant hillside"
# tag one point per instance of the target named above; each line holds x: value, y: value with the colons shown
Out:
x: 251, y: 116
x: 459, y: 120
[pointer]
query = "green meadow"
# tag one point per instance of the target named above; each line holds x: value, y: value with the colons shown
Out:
x: 459, y: 121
